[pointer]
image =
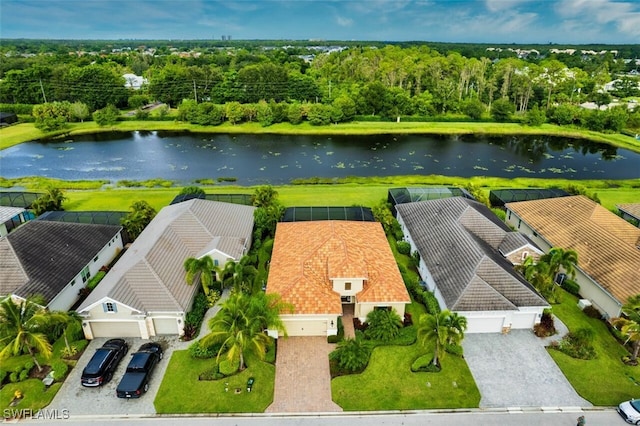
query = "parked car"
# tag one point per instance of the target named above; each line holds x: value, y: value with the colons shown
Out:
x: 630, y: 411
x: 103, y: 363
x: 136, y: 379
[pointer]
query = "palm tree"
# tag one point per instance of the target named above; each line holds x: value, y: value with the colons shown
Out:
x: 23, y: 329
x: 630, y: 324
x: 458, y: 325
x: 438, y: 330
x: 200, y: 270
x: 71, y: 324
x: 139, y: 216
x: 241, y: 324
x: 560, y: 258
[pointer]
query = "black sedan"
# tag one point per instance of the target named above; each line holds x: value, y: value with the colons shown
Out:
x: 103, y: 363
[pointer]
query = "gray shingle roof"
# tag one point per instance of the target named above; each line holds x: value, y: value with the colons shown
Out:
x: 43, y: 257
x: 458, y: 239
x: 514, y: 241
x: 150, y: 275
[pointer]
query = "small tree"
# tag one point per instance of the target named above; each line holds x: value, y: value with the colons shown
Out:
x: 195, y: 191
x: 502, y: 109
x: 535, y: 117
x: 49, y: 201
x: 80, y: 111
x: 139, y: 216
x: 473, y: 108
x: 106, y: 116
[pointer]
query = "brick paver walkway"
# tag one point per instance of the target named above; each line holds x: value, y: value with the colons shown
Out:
x: 303, y: 380
x: 347, y: 321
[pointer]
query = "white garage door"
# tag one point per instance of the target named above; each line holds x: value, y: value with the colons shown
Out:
x: 484, y: 324
x: 115, y: 329
x: 306, y: 327
x: 523, y: 320
x: 165, y: 326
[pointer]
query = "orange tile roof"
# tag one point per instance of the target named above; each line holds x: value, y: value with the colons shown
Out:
x: 306, y: 255
x: 607, y: 245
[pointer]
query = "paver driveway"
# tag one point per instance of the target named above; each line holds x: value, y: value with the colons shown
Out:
x: 303, y: 380
x: 80, y: 401
x: 515, y: 370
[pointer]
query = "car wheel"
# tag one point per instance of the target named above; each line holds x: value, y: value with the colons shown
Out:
x: 638, y: 422
x: 146, y: 387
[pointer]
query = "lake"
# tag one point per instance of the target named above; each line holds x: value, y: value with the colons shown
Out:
x: 277, y: 159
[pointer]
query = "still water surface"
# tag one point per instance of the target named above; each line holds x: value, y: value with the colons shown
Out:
x: 277, y: 159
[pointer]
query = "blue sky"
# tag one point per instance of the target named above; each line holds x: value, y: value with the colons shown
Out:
x: 489, y: 21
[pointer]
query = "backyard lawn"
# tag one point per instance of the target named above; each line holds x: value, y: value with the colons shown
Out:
x: 388, y: 383
x: 605, y: 380
x: 182, y: 392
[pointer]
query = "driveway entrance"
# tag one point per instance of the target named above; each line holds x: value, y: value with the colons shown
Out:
x: 303, y: 380
x: 515, y: 370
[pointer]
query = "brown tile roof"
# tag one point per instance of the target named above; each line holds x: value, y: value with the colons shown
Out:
x: 632, y: 209
x: 607, y: 245
x: 306, y: 255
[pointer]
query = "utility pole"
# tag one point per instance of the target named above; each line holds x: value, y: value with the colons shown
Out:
x: 43, y: 95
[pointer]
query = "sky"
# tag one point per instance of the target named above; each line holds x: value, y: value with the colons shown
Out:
x: 483, y: 21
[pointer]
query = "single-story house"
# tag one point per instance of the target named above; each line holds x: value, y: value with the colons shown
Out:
x: 55, y: 259
x: 323, y: 268
x: 630, y: 211
x: 11, y: 218
x: 608, y: 269
x: 466, y: 258
x: 145, y: 293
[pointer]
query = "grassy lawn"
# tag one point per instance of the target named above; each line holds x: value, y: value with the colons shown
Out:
x: 388, y: 383
x: 182, y: 392
x: 603, y: 381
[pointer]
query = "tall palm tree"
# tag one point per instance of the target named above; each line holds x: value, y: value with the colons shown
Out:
x: 241, y: 324
x: 630, y: 324
x: 200, y: 270
x: 458, y: 325
x: 437, y: 330
x: 23, y: 329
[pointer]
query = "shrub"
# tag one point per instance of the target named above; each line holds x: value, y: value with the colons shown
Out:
x: 406, y: 337
x: 59, y: 369
x: 453, y: 349
x: 502, y: 109
x: 403, y: 247
x: 571, y: 286
x: 384, y: 324
x: 332, y: 338
x: 3, y: 375
x: 95, y: 280
x: 425, y: 363
x: 578, y: 344
x: 270, y: 356
x: 352, y: 355
x: 29, y: 365
x: 106, y: 116
x: 546, y: 327
x: 592, y: 312
x: 14, y: 377
x: 23, y: 375
x: 196, y: 350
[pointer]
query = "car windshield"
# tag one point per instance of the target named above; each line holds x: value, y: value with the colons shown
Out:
x: 97, y: 361
x: 635, y: 403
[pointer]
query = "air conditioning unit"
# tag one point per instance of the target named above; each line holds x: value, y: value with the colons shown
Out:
x: 583, y: 303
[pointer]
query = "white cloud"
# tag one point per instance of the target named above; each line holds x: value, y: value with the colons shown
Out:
x: 500, y: 5
x: 624, y: 15
x: 344, y: 22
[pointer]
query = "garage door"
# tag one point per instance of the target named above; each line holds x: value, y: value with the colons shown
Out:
x: 306, y: 327
x: 523, y: 320
x: 484, y: 324
x: 115, y: 329
x: 165, y: 326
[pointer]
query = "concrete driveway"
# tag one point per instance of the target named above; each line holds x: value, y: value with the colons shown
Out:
x: 80, y: 401
x: 515, y: 370
x: 303, y: 380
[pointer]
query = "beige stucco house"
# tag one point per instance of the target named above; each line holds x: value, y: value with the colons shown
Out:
x: 608, y: 247
x: 145, y: 294
x: 323, y: 267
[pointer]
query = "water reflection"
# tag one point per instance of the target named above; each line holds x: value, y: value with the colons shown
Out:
x: 279, y: 158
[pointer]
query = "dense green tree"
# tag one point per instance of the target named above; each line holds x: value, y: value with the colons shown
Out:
x: 106, y: 116
x: 171, y: 84
x: 264, y: 196
x: 194, y: 191
x: 96, y: 86
x: 502, y: 109
x: 52, y: 115
x: 51, y: 200
x: 234, y: 112
x: 139, y: 216
x: 80, y: 111
x: 295, y: 113
x: 264, y: 114
x: 319, y: 114
x: 535, y: 117
x: 473, y: 108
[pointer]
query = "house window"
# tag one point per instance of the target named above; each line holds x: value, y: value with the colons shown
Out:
x: 347, y: 286
x: 215, y: 262
x: 382, y: 308
x: 535, y: 234
x: 95, y: 259
x: 85, y: 274
x: 525, y: 254
x: 519, y: 223
x: 109, y: 307
x: 509, y: 214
